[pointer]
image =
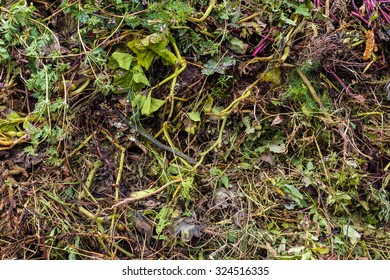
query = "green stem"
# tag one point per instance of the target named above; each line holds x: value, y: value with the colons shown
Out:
x: 206, y: 14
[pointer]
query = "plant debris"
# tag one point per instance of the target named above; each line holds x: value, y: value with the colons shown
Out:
x: 192, y: 130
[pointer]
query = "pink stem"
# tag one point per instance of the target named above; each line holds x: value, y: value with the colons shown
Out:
x: 340, y: 81
x: 260, y: 47
x: 385, y: 16
x: 361, y: 18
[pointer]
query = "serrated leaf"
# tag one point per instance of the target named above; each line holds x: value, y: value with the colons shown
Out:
x: 194, y: 116
x: 124, y: 59
x: 151, y: 105
x: 287, y: 20
x: 302, y: 10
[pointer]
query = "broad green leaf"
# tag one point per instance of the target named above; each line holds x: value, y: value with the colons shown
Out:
x: 139, y: 100
x: 320, y: 250
x: 151, y: 105
x: 195, y: 116
x: 139, y: 76
x: 220, y: 67
x: 124, y: 59
x: 166, y: 55
x: 146, y: 58
x: 123, y: 79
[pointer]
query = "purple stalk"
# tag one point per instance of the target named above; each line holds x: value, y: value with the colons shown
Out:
x: 334, y: 17
x: 260, y: 47
x: 354, y: 5
x: 360, y: 17
x: 385, y: 16
x: 369, y: 7
x: 317, y: 3
x: 340, y: 81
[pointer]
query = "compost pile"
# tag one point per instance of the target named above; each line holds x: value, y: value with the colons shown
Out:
x: 194, y: 129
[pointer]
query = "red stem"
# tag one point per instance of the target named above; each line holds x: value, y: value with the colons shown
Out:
x: 347, y: 90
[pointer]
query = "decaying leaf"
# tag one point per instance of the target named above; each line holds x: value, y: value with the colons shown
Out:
x: 186, y: 228
x: 224, y: 198
x: 237, y: 46
x: 277, y: 146
x: 143, y: 225
x: 351, y: 233
x: 277, y: 120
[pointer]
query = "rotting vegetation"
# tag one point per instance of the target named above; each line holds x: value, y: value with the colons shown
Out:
x: 194, y: 129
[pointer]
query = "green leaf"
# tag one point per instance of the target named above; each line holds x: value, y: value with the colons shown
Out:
x: 146, y: 58
x: 138, y: 100
x: 351, y: 233
x: 302, y: 10
x: 123, y: 79
x: 212, y: 66
x: 293, y: 191
x: 187, y: 187
x: 139, y: 76
x: 277, y: 146
x: 153, y: 39
x: 225, y: 181
x: 287, y: 20
x: 208, y: 104
x: 165, y: 54
x: 320, y: 250
x: 195, y: 116
x: 273, y: 76
x: 124, y: 59
x: 237, y: 46
x: 151, y: 105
